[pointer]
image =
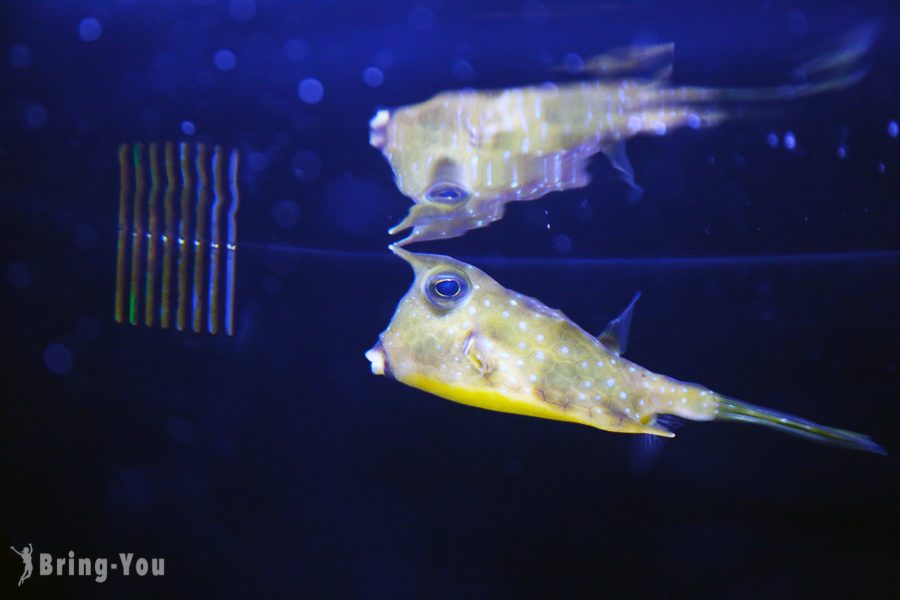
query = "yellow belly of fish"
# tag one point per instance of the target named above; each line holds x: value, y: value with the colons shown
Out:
x: 495, y: 400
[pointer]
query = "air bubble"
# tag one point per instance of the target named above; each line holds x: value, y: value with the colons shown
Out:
x: 790, y: 142
x: 89, y: 29
x: 311, y: 90
x: 224, y: 60
x: 373, y: 76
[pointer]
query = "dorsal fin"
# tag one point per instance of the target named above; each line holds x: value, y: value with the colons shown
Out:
x: 615, y: 336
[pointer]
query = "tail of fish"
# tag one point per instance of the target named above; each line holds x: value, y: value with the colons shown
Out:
x: 732, y: 410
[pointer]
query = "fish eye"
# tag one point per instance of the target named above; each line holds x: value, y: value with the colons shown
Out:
x: 446, y: 193
x: 444, y: 289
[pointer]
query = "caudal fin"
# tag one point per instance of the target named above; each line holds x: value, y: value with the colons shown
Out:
x: 732, y: 410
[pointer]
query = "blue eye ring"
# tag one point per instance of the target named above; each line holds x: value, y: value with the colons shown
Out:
x: 447, y: 193
x: 445, y: 289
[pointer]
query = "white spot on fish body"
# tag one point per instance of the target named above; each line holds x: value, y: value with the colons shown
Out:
x: 610, y: 382
x: 532, y: 377
x: 540, y: 337
x: 587, y: 384
x: 684, y: 400
x: 623, y: 395
x: 513, y: 303
x: 599, y: 363
x: 564, y: 349
x: 584, y: 364
x: 486, y: 302
x: 522, y: 345
x: 472, y: 310
x: 523, y: 325
x: 539, y: 355
x: 505, y: 314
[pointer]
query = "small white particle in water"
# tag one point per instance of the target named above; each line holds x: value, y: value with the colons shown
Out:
x: 505, y: 314
x: 610, y: 382
x: 893, y: 129
x: 564, y: 349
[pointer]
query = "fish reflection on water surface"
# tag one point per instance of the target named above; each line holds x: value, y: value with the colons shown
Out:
x: 463, y: 155
x: 460, y: 335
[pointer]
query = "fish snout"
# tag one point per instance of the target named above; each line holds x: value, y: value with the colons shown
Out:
x: 378, y: 360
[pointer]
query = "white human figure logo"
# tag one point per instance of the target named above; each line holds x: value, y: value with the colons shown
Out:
x: 25, y: 554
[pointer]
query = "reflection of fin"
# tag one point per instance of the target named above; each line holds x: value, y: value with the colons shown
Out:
x: 853, y: 46
x: 615, y: 336
x: 627, y: 60
x: 615, y: 152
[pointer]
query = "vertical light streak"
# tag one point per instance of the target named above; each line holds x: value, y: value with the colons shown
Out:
x: 152, y: 238
x: 122, y: 241
x: 231, y: 255
x: 165, y: 317
x: 137, y: 234
x: 200, y: 236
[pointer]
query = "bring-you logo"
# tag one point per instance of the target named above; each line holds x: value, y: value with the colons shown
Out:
x: 125, y: 563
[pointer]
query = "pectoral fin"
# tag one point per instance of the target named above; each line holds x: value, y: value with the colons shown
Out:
x: 473, y: 350
x: 615, y: 336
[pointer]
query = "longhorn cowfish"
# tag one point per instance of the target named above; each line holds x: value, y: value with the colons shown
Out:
x: 462, y: 336
x: 463, y: 155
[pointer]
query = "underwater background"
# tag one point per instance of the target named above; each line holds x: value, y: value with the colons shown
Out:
x: 272, y: 463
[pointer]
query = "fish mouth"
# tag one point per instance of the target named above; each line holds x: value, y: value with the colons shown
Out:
x: 378, y: 360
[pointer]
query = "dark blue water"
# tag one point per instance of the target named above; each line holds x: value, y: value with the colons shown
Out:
x: 273, y: 464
